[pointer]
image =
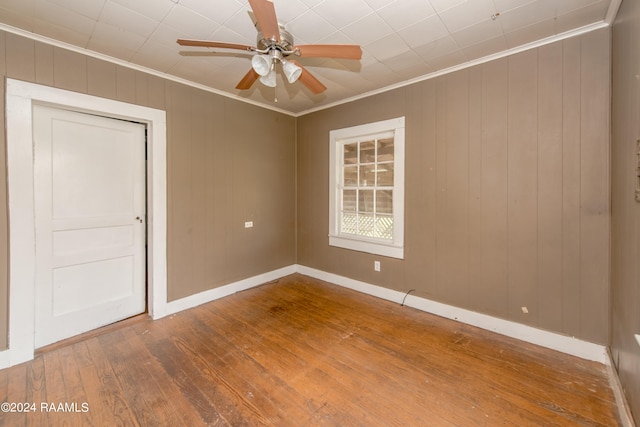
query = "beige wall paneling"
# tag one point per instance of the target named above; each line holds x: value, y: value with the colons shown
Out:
x: 522, y: 128
x: 491, y: 293
x: 453, y: 244
x: 475, y: 182
x: 4, y: 232
x: 70, y: 70
x: 571, y: 173
x: 625, y: 277
x: 420, y: 189
x: 503, y: 219
x: 179, y: 192
x: 203, y: 129
x: 595, y: 187
x: 126, y: 84
x: 550, y: 95
x: 20, y: 58
x: 44, y: 64
x: 101, y: 78
x: 216, y: 153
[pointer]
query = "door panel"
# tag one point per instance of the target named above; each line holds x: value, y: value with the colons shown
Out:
x: 89, y: 180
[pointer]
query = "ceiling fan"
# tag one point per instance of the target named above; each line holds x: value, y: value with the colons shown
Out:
x: 275, y: 45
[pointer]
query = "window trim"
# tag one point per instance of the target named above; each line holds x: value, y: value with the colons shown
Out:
x: 394, y: 249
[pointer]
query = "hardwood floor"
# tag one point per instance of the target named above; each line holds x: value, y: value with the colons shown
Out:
x: 300, y: 352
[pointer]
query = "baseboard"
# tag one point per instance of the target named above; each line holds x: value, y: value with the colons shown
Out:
x: 569, y: 345
x: 618, y: 392
x: 225, y: 290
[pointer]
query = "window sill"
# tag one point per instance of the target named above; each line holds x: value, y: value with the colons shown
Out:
x: 367, y: 246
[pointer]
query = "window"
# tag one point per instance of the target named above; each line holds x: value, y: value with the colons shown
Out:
x: 367, y: 188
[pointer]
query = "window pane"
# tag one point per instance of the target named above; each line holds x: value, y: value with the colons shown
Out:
x: 384, y: 227
x: 351, y: 175
x: 385, y: 175
x: 350, y: 152
x: 349, y: 223
x: 367, y: 175
x: 385, y: 150
x: 349, y: 201
x: 365, y: 201
x: 365, y: 225
x: 384, y: 201
x: 367, y: 152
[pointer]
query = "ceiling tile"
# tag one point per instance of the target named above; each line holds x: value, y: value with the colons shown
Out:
x: 121, y: 17
x: 595, y: 12
x: 368, y: 29
x: 156, y: 56
x: 485, y: 30
x: 58, y: 16
x: 405, y: 63
x: 193, y: 25
x: 505, y: 5
x: 342, y: 12
x: 309, y: 28
x: 466, y: 14
x: 449, y: 60
x: 537, y: 31
x: 486, y: 48
x: 540, y: 10
x: 440, y: 5
x: 387, y: 47
x: 219, y: 11
x: 404, y: 13
x: 61, y: 33
x: 424, y: 32
x: 437, y: 48
x: 114, y: 41
x: 566, y: 6
x: 378, y: 4
x: 288, y: 10
x: 153, y: 9
x: 89, y: 8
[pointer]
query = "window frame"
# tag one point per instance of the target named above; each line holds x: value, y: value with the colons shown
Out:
x: 339, y: 137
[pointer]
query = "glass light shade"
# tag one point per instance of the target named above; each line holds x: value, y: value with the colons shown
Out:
x: 269, y: 79
x: 291, y: 70
x: 261, y: 64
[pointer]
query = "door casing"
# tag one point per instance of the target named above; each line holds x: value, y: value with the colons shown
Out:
x: 20, y: 97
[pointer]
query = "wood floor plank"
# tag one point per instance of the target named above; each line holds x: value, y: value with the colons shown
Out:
x: 138, y: 391
x: 302, y: 352
x: 16, y: 394
x: 112, y: 397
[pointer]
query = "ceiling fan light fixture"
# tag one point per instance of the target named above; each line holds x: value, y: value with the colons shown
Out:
x: 269, y: 79
x: 261, y: 64
x: 291, y: 70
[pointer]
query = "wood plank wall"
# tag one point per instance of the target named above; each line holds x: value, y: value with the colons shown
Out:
x: 228, y: 162
x: 625, y: 262
x: 507, y: 188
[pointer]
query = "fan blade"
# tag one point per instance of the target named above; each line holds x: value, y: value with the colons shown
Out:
x: 248, y: 79
x: 204, y: 43
x: 343, y: 51
x: 309, y: 80
x: 266, y: 16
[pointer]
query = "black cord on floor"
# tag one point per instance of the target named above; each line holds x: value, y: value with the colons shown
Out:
x: 405, y: 296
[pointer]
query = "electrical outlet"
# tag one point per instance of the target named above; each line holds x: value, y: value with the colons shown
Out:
x: 248, y: 224
x: 525, y: 310
x: 376, y: 265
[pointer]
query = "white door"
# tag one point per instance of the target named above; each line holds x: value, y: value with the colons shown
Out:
x: 89, y: 182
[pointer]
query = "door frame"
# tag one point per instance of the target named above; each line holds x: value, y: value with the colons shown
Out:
x: 20, y: 97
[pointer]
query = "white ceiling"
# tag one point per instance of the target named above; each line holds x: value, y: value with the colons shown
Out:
x: 402, y: 40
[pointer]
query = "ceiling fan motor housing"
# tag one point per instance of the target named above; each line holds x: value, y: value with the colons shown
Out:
x: 285, y: 45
